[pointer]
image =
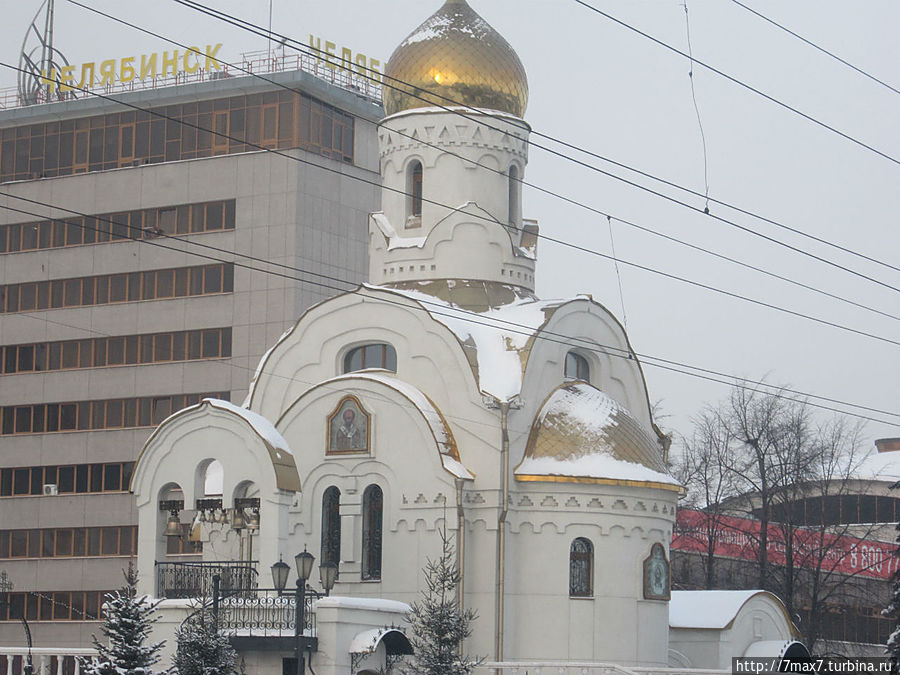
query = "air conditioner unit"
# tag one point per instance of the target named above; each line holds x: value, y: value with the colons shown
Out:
x: 50, y: 489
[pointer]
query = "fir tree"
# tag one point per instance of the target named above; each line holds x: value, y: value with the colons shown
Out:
x: 438, y: 625
x: 202, y: 649
x: 892, y: 648
x: 126, y: 626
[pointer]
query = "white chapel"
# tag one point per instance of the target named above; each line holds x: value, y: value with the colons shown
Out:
x: 444, y: 395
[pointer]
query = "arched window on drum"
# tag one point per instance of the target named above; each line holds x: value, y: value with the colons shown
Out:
x: 581, y: 568
x: 414, y: 192
x: 577, y: 367
x: 375, y: 355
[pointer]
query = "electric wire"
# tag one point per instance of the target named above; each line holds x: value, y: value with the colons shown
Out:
x: 584, y: 249
x: 687, y: 25
x: 382, y: 79
x: 569, y: 200
x: 815, y: 46
x: 736, y: 81
x: 456, y: 313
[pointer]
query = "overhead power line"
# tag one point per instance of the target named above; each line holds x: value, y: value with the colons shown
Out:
x: 440, y: 309
x: 815, y: 46
x: 738, y: 82
x: 576, y: 247
x: 400, y: 85
x: 552, y: 193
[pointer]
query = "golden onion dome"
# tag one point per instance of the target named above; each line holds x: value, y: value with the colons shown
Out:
x: 455, y: 58
x: 582, y: 435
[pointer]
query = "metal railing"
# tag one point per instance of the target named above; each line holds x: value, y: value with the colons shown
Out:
x: 195, y: 579
x: 335, y: 71
x: 265, y: 612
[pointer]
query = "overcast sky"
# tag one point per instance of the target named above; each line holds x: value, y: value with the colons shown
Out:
x: 597, y: 85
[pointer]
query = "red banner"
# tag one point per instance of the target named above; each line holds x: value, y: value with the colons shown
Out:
x: 739, y: 538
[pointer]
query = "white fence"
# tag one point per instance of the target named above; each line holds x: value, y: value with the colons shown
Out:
x: 45, y: 660
x: 582, y: 668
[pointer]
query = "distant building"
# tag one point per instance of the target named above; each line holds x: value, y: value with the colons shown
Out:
x: 860, y: 564
x: 103, y: 334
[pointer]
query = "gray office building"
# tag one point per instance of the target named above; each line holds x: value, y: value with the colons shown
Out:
x: 152, y: 247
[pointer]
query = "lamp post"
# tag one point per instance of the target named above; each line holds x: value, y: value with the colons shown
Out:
x: 280, y: 571
x: 5, y: 587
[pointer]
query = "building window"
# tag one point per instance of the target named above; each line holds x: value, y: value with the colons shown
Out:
x: 513, y: 195
x: 29, y: 481
x: 68, y: 542
x: 414, y: 188
x: 577, y: 367
x: 98, y: 229
x: 115, y: 351
x: 117, y: 413
x: 52, y: 605
x: 373, y: 509
x: 284, y: 119
x: 581, y: 566
x: 113, y: 288
x: 331, y: 526
x: 377, y: 355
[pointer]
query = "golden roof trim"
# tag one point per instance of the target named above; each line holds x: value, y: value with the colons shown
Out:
x: 588, y: 480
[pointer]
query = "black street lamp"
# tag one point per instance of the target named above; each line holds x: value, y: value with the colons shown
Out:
x: 328, y: 575
x: 280, y: 571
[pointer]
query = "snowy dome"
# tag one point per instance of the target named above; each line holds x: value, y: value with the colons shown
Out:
x: 455, y: 56
x: 581, y: 434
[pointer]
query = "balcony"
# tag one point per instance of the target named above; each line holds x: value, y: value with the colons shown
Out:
x: 244, y: 611
x: 195, y: 579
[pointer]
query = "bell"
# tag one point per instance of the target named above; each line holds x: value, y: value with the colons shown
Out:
x: 173, y: 525
x: 253, y: 520
x: 237, y: 519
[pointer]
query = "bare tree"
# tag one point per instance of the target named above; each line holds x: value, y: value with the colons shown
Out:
x: 702, y: 467
x: 766, y: 457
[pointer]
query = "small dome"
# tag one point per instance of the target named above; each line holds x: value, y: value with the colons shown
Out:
x: 582, y: 434
x: 455, y: 56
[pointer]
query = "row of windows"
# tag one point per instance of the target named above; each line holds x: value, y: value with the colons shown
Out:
x: 143, y: 411
x: 383, y: 355
x: 281, y: 120
x: 68, y: 542
x: 185, y: 345
x: 144, y: 224
x: 29, y: 481
x: 414, y: 187
x: 372, y: 517
x: 112, y: 288
x: 52, y: 605
x: 838, y: 509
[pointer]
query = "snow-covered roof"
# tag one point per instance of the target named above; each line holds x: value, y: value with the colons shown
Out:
x: 883, y: 466
x: 374, y: 604
x: 443, y: 436
x: 499, y: 335
x: 260, y: 424
x: 262, y: 361
x: 708, y: 609
x: 580, y: 432
x: 395, y: 239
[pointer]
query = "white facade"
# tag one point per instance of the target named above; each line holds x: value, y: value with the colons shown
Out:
x: 537, y: 454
